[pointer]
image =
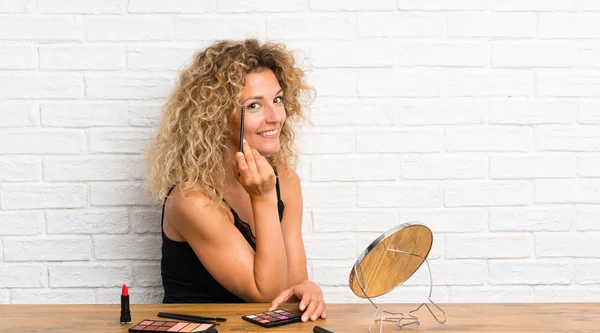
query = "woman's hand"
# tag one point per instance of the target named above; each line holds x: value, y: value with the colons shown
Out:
x: 255, y: 174
x: 311, y: 300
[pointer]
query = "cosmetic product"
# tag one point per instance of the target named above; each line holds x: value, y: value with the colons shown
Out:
x: 151, y: 325
x: 319, y: 329
x: 189, y: 317
x: 125, y: 314
x: 273, y: 318
x: 242, y: 129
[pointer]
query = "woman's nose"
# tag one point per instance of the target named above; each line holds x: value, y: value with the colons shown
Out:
x: 273, y: 114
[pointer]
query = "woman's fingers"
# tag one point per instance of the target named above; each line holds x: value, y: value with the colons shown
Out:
x: 319, y: 311
x: 284, y: 296
x: 249, y: 155
x: 310, y: 309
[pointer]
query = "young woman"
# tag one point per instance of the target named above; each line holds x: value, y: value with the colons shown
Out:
x: 232, y: 221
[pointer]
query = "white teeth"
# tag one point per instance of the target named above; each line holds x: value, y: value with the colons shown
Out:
x: 268, y: 133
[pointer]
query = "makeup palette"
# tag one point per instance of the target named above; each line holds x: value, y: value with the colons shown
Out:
x: 149, y: 325
x: 273, y: 318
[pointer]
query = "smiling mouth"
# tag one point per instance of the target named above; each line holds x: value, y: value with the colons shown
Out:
x: 269, y: 133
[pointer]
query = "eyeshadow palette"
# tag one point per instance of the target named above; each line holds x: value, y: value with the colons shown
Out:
x: 149, y: 325
x: 273, y: 318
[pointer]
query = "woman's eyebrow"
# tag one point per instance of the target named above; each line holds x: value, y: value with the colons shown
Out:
x: 260, y: 97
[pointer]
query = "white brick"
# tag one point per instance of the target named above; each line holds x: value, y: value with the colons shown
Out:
x: 20, y: 276
x: 46, y: 249
x: 398, y: 24
x: 83, y: 114
x: 353, y: 112
x: 533, y: 166
x: 319, y: 142
x: 356, y: 53
x: 81, y: 7
x: 37, y: 196
x: 498, y: 139
x: 508, y: 25
x: 173, y: 6
x: 379, y: 82
x: 488, y: 246
x: 18, y: 114
x: 20, y: 169
x: 355, y: 168
x: 561, y: 84
x: 94, y: 168
x: 146, y: 115
x: 569, y: 25
x: 566, y: 244
x: 442, y: 111
x: 567, y: 191
x: 533, y: 54
x: 436, y: 5
x: 529, y: 272
x: 330, y: 247
x: 4, y: 296
x: 86, y: 221
x: 567, y: 294
x: 534, y: 5
x: 447, y: 220
x: 334, y: 82
x: 80, y: 57
x: 572, y: 139
x: 589, y: 112
x: 455, y: 54
x: 42, y: 28
x: 496, y: 83
x: 322, y: 195
x: 414, y: 295
x: 41, y: 85
x: 159, y: 58
x: 405, y: 195
x: 127, y: 86
x: 55, y: 142
x: 137, y: 295
x: 17, y: 56
x: 587, y: 218
x: 145, y: 220
x: 245, y: 6
x: 314, y: 26
x: 589, y: 57
x: 127, y: 247
x: 487, y: 193
x: 118, y: 194
x: 526, y: 111
x: 332, y: 273
x: 587, y: 272
x: 443, y: 166
x: 352, y: 5
x: 20, y: 223
x: 215, y: 27
x: 486, y: 294
x: 530, y: 219
x: 94, y: 274
x: 17, y: 6
x: 128, y: 28
x: 52, y: 296
x: 355, y: 220
x: 454, y: 273
x: 132, y: 141
x: 410, y: 141
x: 147, y: 275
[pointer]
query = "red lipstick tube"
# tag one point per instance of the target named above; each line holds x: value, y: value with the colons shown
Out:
x: 125, y: 314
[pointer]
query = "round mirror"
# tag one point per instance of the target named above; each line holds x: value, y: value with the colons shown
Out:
x: 390, y: 260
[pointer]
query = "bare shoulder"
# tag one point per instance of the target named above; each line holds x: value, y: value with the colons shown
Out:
x: 289, y: 181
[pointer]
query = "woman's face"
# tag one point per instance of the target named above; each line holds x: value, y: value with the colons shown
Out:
x: 265, y: 114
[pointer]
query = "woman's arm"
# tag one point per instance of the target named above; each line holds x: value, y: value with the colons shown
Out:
x: 208, y: 228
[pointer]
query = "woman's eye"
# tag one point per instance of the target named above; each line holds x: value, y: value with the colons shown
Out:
x: 253, y: 106
x: 278, y: 99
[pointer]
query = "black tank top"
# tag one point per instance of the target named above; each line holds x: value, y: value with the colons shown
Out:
x: 184, y: 277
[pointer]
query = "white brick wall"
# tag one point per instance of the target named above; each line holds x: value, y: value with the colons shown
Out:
x: 478, y: 118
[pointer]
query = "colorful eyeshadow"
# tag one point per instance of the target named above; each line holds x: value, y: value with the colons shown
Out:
x: 168, y: 326
x: 189, y: 328
x: 273, y: 318
x: 170, y: 323
x: 146, y: 322
x: 177, y: 327
x: 162, y: 329
x: 150, y: 328
x: 202, y: 327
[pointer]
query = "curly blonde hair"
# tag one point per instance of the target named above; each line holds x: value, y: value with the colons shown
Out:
x: 189, y: 148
